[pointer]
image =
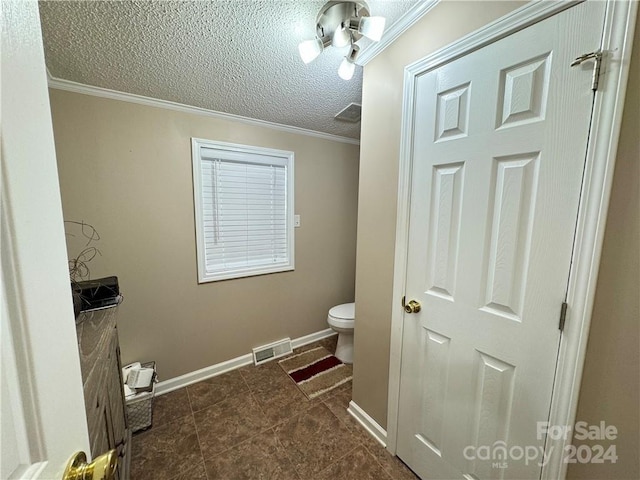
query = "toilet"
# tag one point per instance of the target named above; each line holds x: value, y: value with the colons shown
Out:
x: 341, y: 319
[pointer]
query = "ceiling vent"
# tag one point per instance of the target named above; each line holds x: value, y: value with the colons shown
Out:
x: 351, y: 113
x: 268, y: 352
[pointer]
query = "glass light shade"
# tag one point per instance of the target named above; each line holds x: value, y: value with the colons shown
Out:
x: 372, y: 27
x: 310, y: 49
x: 346, y: 69
x: 341, y: 38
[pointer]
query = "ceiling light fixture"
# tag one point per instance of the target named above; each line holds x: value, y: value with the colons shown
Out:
x: 340, y: 24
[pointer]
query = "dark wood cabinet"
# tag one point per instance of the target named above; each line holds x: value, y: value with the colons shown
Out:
x: 102, y: 384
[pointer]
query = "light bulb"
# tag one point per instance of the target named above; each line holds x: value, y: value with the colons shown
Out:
x: 310, y: 49
x: 341, y: 37
x: 372, y: 27
x: 346, y: 69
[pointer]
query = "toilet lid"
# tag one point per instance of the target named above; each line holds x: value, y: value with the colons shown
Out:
x: 346, y: 311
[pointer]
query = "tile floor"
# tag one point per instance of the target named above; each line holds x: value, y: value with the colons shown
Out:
x: 254, y: 423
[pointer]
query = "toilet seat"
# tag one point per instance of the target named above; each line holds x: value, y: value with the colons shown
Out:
x: 342, y: 316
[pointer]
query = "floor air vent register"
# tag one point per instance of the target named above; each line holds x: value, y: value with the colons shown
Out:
x: 271, y: 351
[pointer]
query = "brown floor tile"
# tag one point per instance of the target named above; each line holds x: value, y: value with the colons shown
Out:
x: 338, y: 405
x: 213, y: 390
x: 261, y: 457
x: 197, y: 473
x: 314, y: 440
x: 266, y: 373
x: 391, y: 464
x: 254, y: 423
x: 283, y: 401
x: 271, y: 385
x: 228, y: 423
x: 164, y: 452
x: 278, y: 396
x: 357, y: 465
x: 170, y: 406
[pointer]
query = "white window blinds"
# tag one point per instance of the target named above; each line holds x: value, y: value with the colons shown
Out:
x: 244, y: 219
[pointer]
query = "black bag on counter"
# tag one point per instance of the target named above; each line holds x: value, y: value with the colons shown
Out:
x: 98, y: 293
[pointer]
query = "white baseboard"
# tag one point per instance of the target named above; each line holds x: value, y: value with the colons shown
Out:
x: 369, y: 424
x: 312, y: 337
x: 175, y: 383
x: 196, y: 376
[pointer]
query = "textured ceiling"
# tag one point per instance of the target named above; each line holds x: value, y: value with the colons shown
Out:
x: 238, y: 56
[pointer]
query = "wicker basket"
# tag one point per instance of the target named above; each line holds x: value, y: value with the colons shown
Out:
x: 140, y: 405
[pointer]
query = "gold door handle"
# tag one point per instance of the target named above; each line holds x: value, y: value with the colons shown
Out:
x: 102, y: 468
x: 412, y: 307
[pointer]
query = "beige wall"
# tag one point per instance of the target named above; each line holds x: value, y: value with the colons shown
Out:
x: 126, y: 169
x: 610, y: 386
x: 611, y: 378
x: 379, y: 151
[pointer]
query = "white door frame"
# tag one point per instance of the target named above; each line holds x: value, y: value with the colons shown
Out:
x: 600, y: 161
x: 43, y: 410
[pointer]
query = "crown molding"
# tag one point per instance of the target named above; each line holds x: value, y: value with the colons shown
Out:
x: 75, y: 87
x: 414, y: 14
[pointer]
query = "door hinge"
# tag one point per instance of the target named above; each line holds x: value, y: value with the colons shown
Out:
x: 563, y: 316
x: 597, y: 58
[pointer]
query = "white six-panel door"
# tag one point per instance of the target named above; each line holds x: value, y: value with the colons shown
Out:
x: 499, y: 142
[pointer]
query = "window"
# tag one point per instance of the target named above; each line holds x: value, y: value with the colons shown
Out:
x: 244, y: 210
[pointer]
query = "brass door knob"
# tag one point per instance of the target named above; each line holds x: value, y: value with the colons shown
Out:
x: 412, y: 307
x: 102, y: 468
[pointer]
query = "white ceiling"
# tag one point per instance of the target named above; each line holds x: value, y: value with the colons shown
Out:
x: 232, y: 56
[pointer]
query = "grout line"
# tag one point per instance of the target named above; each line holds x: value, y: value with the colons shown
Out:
x: 222, y: 452
x: 186, y: 389
x: 276, y: 424
x: 247, y: 439
x: 340, y: 458
x: 191, y: 470
x: 342, y: 422
x: 387, y: 472
x: 253, y: 397
x: 260, y: 432
x: 244, y: 379
x: 283, y: 450
x: 195, y: 426
x: 227, y: 397
x: 271, y: 428
x: 357, y: 441
x: 286, y: 454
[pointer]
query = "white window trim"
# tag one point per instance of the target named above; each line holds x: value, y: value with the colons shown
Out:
x: 286, y: 156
